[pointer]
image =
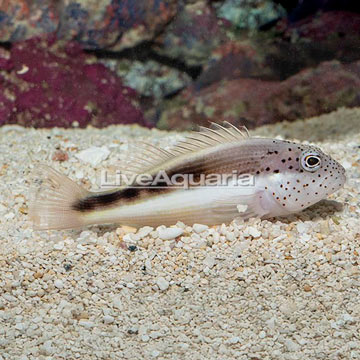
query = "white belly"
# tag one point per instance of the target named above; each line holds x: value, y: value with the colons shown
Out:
x: 206, y: 205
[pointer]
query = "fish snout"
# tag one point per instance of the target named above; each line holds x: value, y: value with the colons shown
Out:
x: 342, y: 178
x: 339, y: 181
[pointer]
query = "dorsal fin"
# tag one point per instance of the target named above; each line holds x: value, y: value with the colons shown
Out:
x: 151, y: 155
x: 146, y: 157
x: 208, y: 137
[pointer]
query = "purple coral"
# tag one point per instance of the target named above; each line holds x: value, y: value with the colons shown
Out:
x: 44, y: 84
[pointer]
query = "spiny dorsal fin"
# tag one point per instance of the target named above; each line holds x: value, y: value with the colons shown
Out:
x: 151, y: 155
x: 144, y: 158
x: 207, y: 137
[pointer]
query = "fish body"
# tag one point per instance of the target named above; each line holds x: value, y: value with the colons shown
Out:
x: 283, y: 178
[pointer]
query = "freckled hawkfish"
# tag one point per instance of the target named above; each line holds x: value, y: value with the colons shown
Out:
x: 286, y: 177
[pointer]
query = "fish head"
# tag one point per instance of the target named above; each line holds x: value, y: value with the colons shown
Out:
x: 299, y: 176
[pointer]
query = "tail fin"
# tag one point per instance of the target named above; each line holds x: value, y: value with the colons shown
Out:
x: 51, y: 207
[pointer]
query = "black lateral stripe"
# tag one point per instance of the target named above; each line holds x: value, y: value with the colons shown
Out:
x: 98, y: 201
x: 95, y: 201
x: 220, y: 163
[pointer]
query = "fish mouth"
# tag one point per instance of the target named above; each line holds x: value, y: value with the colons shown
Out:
x: 337, y: 184
x: 332, y: 185
x: 343, y: 180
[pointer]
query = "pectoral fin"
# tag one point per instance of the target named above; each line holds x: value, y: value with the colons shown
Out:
x: 242, y: 206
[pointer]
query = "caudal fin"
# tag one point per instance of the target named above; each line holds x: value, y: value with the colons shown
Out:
x: 51, y: 207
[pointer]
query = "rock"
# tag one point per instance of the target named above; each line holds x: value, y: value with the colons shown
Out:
x: 232, y: 60
x: 348, y: 318
x: 309, y: 93
x: 149, y: 78
x: 209, y: 261
x: 5, y: 62
x: 283, y: 53
x: 108, y: 319
x: 117, y: 302
x: 250, y: 14
x: 304, y: 238
x: 288, y: 308
x: 47, y: 348
x: 20, y: 326
x: 192, y: 35
x: 86, y: 323
x: 255, y: 233
x: 17, y: 21
x: 316, y: 91
x: 184, y: 346
x: 346, y: 164
x: 94, y: 155
x: 144, y: 231
x: 230, y: 236
x: 60, y: 155
x: 291, y: 345
x: 199, y: 228
x: 234, y: 340
x: 325, y: 26
x: 59, y: 245
x: 292, y: 48
x: 95, y: 25
x: 169, y: 233
x: 162, y: 283
x: 241, y: 208
x: 262, y: 334
x: 79, y: 174
x: 320, y: 37
x: 85, y: 235
x: 271, y: 323
x: 306, y: 43
x: 301, y: 228
x: 155, y: 353
x: 9, y: 216
x: 58, y: 284
x: 56, y: 84
x: 130, y: 237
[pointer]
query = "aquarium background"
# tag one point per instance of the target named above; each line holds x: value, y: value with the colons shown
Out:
x: 176, y: 64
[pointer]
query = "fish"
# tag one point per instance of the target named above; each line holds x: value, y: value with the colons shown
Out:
x: 264, y: 178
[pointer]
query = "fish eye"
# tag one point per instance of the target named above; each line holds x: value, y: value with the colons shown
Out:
x: 310, y: 161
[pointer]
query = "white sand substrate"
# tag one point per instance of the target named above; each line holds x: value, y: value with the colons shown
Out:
x: 279, y: 289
